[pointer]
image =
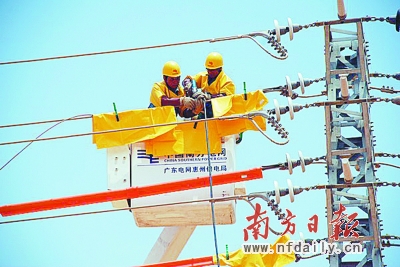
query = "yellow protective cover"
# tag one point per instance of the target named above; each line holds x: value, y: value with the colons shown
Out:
x: 181, y: 138
x: 129, y: 119
x: 236, y: 104
x: 186, y: 140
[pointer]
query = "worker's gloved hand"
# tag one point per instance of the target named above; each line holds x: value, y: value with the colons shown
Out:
x: 188, y: 102
x: 199, y: 105
x: 199, y: 95
x: 208, y: 95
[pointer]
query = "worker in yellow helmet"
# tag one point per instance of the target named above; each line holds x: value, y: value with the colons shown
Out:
x: 169, y: 92
x: 213, y: 82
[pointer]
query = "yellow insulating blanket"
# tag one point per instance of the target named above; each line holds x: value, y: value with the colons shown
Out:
x: 180, y: 138
x: 129, y: 119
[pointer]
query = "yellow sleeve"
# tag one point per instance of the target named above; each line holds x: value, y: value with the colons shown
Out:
x: 226, y: 85
x: 201, y: 80
x: 156, y: 93
x: 223, y: 84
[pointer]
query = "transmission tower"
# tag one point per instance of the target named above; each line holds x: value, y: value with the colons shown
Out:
x: 349, y: 139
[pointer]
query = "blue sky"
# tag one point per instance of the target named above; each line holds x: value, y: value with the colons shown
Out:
x: 89, y: 85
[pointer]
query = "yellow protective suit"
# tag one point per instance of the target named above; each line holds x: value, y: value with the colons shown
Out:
x: 160, y: 89
x: 223, y: 84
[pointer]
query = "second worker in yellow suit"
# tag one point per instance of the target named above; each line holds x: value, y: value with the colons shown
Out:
x: 213, y: 82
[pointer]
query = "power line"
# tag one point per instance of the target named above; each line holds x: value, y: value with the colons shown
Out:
x: 80, y: 117
x: 241, y: 116
x: 101, y: 53
x: 59, y: 122
x: 271, y: 40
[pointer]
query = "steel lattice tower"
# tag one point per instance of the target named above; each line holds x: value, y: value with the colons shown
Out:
x: 349, y: 140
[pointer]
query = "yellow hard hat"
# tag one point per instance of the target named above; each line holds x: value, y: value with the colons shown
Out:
x: 171, y: 69
x: 214, y: 61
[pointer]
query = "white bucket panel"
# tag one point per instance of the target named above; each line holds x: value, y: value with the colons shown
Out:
x: 147, y: 170
x: 118, y: 171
